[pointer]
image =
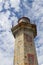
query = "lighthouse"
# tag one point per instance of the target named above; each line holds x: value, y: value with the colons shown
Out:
x: 25, y: 51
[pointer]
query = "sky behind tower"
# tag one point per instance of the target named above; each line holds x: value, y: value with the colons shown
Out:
x: 10, y: 12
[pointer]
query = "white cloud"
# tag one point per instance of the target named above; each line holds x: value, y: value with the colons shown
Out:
x: 14, y: 20
x: 15, y: 4
x: 0, y: 6
x: 6, y: 5
x: 6, y: 48
x: 7, y: 40
x: 38, y: 16
x: 40, y: 59
x: 5, y: 61
x: 5, y: 22
x: 41, y: 64
x: 37, y: 8
x: 0, y: 1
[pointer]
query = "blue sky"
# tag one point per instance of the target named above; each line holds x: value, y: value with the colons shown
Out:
x: 10, y: 12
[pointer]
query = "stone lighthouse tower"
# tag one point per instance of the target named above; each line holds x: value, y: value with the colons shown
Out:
x: 24, y: 33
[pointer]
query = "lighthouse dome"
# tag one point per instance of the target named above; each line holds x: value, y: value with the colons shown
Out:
x: 24, y: 19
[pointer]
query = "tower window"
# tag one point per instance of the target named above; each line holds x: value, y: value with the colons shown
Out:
x: 25, y: 56
x: 25, y: 63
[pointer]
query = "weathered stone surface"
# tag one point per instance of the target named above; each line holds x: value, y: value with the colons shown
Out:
x: 25, y: 53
